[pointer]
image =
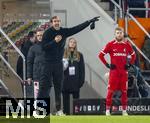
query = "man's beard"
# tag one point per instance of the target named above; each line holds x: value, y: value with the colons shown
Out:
x: 119, y: 39
x: 57, y: 27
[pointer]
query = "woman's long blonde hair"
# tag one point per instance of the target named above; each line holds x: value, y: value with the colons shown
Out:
x: 76, y: 53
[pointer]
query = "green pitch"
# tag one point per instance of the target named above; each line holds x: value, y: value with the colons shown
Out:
x: 81, y: 119
x: 100, y: 119
x: 24, y: 120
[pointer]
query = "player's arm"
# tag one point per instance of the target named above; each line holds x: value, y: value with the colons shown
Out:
x: 132, y: 53
x: 133, y: 57
x: 102, y: 57
x: 80, y: 27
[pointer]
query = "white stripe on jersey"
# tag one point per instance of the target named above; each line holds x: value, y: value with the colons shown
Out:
x: 133, y: 53
x: 103, y: 52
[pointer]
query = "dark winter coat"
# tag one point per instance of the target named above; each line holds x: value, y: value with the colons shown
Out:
x: 54, y: 51
x: 24, y: 49
x: 73, y: 83
x: 146, y: 50
x: 35, y: 60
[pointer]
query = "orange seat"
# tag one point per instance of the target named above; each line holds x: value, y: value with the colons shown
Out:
x: 135, y: 32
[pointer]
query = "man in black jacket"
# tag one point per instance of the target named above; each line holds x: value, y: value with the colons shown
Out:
x: 24, y: 49
x: 53, y: 43
x: 35, y: 60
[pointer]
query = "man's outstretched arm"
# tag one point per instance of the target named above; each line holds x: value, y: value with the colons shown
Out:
x: 80, y: 27
x: 102, y: 58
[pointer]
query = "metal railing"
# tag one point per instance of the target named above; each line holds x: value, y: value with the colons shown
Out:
x: 139, y: 9
x: 136, y: 21
x: 10, y: 94
x: 20, y: 53
x: 140, y: 26
x: 120, y: 9
x: 144, y: 56
x: 9, y: 66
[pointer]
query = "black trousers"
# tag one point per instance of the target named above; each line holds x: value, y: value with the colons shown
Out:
x: 52, y: 72
x: 66, y: 100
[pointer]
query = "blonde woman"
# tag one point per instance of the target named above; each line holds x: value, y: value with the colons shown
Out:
x: 74, y: 74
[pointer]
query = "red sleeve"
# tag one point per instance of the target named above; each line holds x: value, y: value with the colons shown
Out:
x: 132, y: 53
x: 103, y: 52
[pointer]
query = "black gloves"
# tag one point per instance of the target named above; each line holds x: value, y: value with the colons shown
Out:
x: 92, y: 26
x: 92, y: 21
x: 127, y: 66
x: 111, y: 66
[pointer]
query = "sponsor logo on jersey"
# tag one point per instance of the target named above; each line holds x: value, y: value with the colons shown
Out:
x: 119, y: 54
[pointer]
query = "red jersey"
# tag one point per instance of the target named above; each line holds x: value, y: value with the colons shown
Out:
x: 118, y: 52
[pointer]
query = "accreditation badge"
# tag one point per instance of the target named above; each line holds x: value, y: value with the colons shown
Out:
x: 71, y: 70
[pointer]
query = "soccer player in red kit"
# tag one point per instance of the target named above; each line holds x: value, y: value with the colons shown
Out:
x: 119, y: 49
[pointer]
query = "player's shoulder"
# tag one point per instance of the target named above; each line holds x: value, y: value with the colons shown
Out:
x: 127, y: 42
x: 111, y: 42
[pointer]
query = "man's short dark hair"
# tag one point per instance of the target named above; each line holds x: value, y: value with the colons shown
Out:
x: 54, y: 17
x: 31, y: 33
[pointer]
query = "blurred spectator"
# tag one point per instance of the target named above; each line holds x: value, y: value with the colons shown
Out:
x: 35, y: 60
x: 24, y: 49
x: 132, y: 82
x: 137, y: 84
x: 137, y: 60
x: 146, y: 51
